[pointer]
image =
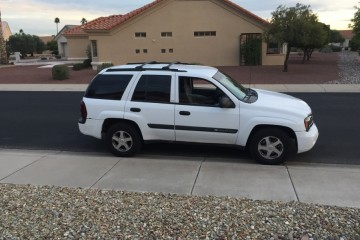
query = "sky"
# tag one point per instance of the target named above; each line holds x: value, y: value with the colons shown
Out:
x: 36, y: 17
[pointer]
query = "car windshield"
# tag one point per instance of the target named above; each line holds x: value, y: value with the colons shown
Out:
x: 234, y: 87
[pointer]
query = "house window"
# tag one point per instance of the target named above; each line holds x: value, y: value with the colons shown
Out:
x: 163, y: 50
x: 171, y: 50
x: 137, y: 51
x: 94, y: 48
x: 140, y: 35
x: 273, y: 46
x: 166, y: 34
x: 205, y: 34
x: 145, y: 51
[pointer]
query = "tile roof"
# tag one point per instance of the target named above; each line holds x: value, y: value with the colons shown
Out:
x: 108, y: 23
x: 76, y: 31
x: 347, y: 34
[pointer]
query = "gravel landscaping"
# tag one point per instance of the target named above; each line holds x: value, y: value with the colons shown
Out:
x: 349, y: 67
x: 43, y: 212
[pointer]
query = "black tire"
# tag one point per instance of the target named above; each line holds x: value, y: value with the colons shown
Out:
x: 270, y: 146
x: 123, y: 140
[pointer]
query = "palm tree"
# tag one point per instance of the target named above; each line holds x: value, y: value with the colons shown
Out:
x: 83, y: 21
x: 57, y: 21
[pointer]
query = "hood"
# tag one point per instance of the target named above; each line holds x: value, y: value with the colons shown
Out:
x: 282, y: 103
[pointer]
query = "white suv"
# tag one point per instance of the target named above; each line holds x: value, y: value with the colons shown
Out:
x: 131, y: 104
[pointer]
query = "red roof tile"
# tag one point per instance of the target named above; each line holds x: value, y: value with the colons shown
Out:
x: 347, y: 34
x: 108, y: 23
x: 77, y: 31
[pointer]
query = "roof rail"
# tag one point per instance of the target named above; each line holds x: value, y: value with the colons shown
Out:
x: 145, y: 63
x: 169, y: 65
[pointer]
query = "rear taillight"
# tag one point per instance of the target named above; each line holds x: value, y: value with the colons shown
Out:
x: 83, y: 112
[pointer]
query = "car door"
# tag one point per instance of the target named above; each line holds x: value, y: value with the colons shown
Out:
x: 198, y: 115
x: 151, y: 105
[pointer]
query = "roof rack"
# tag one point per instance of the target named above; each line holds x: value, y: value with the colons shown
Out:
x: 142, y: 68
x: 169, y: 65
x: 145, y: 63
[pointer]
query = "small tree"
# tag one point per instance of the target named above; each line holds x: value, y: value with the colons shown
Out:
x: 83, y: 21
x: 295, y: 26
x: 23, y: 43
x: 355, y: 41
x: 335, y: 37
x: 53, y: 47
x: 39, y: 44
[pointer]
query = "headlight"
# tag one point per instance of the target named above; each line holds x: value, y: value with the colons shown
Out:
x: 308, y: 122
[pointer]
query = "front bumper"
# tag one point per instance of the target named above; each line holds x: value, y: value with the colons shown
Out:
x: 307, y: 140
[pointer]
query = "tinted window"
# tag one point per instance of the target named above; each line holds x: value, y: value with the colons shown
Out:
x: 109, y: 87
x: 153, y: 88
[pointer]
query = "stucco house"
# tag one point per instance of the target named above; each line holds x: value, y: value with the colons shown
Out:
x: 62, y: 41
x: 210, y: 32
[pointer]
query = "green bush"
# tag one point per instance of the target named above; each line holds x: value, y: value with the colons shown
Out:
x: 78, y: 66
x: 87, y: 63
x: 336, y: 48
x: 326, y: 49
x: 60, y: 72
x: 103, y: 66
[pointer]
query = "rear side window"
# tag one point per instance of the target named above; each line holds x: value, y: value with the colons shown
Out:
x: 110, y: 87
x: 153, y: 88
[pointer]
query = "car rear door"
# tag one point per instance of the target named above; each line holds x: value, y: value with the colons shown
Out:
x: 151, y: 105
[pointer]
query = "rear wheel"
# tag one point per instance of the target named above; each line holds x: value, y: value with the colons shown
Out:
x: 123, y: 140
x: 270, y: 146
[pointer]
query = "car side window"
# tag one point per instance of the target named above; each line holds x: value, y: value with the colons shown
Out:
x: 153, y: 88
x: 196, y: 91
x: 108, y: 87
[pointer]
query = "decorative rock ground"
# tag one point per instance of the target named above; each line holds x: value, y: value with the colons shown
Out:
x: 30, y: 212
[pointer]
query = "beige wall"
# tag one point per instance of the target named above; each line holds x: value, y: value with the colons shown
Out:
x: 77, y: 47
x: 182, y: 18
x: 271, y: 59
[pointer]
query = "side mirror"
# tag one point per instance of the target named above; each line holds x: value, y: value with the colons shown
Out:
x: 225, y: 102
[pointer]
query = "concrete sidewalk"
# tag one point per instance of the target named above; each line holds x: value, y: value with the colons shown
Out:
x: 321, y: 88
x: 322, y: 184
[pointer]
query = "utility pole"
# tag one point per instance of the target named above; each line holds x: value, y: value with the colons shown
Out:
x: 3, y: 54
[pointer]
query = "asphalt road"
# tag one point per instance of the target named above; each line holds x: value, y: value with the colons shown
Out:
x: 48, y: 121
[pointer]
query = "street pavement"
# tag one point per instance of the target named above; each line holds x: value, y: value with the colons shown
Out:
x: 309, y: 183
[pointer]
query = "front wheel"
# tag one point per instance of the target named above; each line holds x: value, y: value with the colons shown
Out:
x: 270, y: 146
x: 123, y: 140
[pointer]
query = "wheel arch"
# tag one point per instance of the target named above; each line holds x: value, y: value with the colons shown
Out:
x: 287, y: 130
x: 112, y: 121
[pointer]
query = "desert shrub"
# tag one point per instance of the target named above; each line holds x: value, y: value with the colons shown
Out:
x: 87, y: 63
x: 78, y: 66
x: 326, y: 49
x: 336, y: 48
x: 60, y: 72
x: 103, y: 66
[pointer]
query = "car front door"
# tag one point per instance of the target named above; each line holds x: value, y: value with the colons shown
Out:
x: 199, y: 116
x: 151, y: 106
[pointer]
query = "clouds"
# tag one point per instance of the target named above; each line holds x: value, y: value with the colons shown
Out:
x: 37, y: 16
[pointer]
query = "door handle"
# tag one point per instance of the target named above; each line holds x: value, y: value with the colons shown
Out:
x: 185, y: 113
x: 135, y: 109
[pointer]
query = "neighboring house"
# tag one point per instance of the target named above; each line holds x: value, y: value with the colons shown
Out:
x: 348, y: 35
x: 46, y: 39
x: 62, y: 41
x: 209, y: 32
x: 6, y: 30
